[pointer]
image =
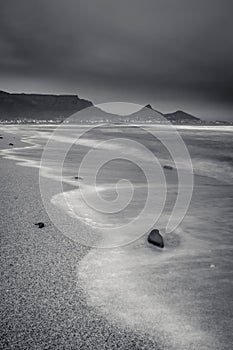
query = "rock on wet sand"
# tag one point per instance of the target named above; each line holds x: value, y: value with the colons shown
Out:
x: 168, y: 167
x: 78, y: 178
x: 156, y: 239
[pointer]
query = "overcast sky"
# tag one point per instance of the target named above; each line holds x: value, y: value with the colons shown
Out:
x: 175, y: 54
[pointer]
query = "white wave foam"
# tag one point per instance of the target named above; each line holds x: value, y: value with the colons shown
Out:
x: 136, y: 287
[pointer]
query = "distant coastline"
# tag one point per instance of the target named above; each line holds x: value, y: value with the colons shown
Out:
x: 21, y: 108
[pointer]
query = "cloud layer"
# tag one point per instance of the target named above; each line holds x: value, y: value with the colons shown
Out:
x: 160, y: 51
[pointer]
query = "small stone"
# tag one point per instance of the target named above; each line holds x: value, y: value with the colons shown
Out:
x: 1, y: 137
x: 11, y: 144
x: 168, y: 167
x: 212, y: 265
x: 78, y: 178
x: 156, y: 239
x: 40, y: 224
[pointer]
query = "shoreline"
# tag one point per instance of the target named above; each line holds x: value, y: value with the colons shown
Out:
x: 42, y: 306
x: 106, y: 291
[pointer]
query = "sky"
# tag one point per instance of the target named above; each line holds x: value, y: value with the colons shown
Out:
x: 173, y: 54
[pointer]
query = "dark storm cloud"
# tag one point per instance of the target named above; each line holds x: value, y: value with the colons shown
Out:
x: 176, y: 48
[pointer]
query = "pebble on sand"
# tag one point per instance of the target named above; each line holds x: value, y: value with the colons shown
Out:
x: 11, y: 144
x: 156, y: 239
x: 78, y: 178
x: 168, y: 167
x: 40, y: 224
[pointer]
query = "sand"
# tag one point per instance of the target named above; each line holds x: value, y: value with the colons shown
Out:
x: 42, y: 304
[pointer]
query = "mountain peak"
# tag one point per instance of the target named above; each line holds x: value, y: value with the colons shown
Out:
x: 148, y: 106
x: 181, y: 116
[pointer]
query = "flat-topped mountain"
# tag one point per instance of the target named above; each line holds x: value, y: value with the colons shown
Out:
x: 39, y: 106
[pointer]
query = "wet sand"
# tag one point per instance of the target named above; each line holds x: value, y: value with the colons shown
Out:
x: 184, y: 293
x: 42, y: 303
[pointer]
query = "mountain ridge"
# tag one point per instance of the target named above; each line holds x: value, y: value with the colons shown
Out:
x: 34, y: 107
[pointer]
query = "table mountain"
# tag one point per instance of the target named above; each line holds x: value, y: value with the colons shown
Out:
x: 39, y: 107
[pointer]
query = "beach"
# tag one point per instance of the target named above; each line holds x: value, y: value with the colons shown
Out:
x: 58, y: 293
x: 42, y: 303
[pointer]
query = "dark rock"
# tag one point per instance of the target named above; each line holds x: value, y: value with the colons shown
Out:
x: 11, y: 144
x: 168, y: 167
x: 78, y: 178
x: 1, y: 137
x: 40, y: 224
x: 156, y: 239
